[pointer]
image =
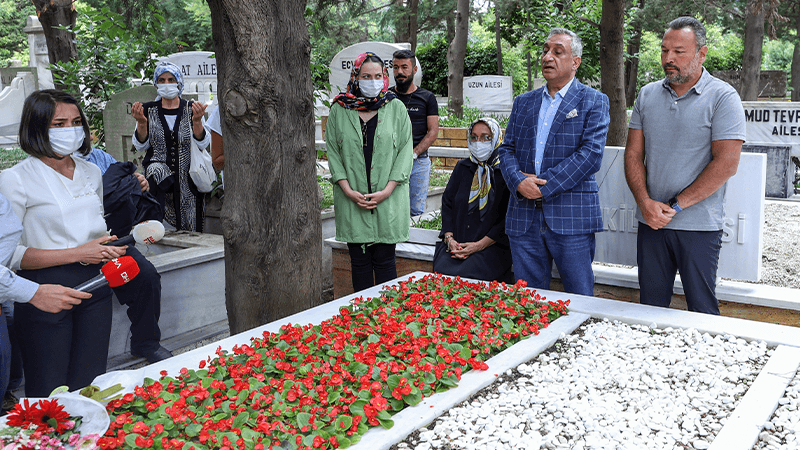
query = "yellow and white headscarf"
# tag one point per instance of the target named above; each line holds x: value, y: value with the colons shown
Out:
x: 481, y: 192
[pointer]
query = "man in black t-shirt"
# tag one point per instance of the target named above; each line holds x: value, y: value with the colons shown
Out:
x: 424, y: 113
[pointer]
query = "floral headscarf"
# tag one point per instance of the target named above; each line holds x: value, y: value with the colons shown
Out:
x: 174, y: 70
x: 353, y: 99
x: 481, y: 193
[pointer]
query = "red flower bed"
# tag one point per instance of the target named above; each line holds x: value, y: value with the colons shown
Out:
x: 323, y: 386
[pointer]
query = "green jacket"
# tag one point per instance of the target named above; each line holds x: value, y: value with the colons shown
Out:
x: 391, y: 161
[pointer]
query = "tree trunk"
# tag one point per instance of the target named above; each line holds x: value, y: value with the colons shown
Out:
x: 796, y: 62
x: 753, y: 43
x: 612, y: 74
x: 60, y: 43
x: 632, y: 63
x: 498, y: 40
x: 270, y: 217
x: 401, y: 27
x: 456, y: 53
x: 413, y: 23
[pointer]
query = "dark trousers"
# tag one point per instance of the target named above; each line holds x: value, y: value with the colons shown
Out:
x: 68, y: 348
x: 15, y: 371
x: 142, y: 296
x: 661, y: 253
x: 371, y: 264
x: 5, y: 354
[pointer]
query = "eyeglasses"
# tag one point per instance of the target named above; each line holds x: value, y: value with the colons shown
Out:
x: 481, y: 138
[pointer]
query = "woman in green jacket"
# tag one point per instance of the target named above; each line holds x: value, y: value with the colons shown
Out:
x: 369, y: 143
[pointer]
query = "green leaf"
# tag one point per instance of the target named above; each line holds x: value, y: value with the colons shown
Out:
x: 357, y: 407
x: 303, y: 419
x: 240, y: 420
x: 343, y: 441
x: 414, y: 397
x: 373, y: 339
x: 193, y: 429
x: 343, y: 422
x: 393, y: 381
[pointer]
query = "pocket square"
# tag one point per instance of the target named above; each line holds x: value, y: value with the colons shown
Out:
x: 573, y: 113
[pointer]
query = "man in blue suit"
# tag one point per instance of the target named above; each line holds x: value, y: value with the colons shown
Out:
x: 553, y: 146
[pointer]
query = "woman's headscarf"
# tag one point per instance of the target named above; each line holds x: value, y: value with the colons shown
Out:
x: 174, y: 70
x: 353, y: 99
x: 481, y: 193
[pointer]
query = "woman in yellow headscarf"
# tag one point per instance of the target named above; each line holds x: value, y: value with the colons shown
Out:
x: 474, y: 242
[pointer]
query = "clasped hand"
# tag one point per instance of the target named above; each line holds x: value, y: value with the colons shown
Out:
x: 529, y: 187
x: 656, y: 214
x: 368, y: 201
x: 94, y: 252
x: 463, y: 250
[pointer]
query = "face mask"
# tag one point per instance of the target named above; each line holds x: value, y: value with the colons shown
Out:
x: 370, y: 88
x: 64, y: 141
x: 481, y: 150
x: 168, y: 91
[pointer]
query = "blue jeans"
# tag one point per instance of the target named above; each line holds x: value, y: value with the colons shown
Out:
x: 418, y: 185
x: 661, y: 253
x: 533, y: 254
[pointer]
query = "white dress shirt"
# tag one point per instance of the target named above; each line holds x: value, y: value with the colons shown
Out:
x: 56, y: 212
x: 12, y: 287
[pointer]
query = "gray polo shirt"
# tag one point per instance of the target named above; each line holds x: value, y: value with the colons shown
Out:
x: 677, y: 142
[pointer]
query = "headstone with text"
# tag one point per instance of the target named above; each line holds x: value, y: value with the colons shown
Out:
x: 775, y: 124
x: 199, y: 71
x: 342, y: 63
x: 37, y: 49
x: 490, y: 93
x: 119, y: 124
x: 742, y: 242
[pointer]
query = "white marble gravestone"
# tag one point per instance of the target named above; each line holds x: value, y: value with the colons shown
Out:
x: 342, y: 63
x: 490, y: 93
x: 199, y: 70
x: 742, y: 242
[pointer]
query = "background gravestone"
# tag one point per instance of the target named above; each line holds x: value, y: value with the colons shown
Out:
x: 342, y: 63
x: 119, y: 124
x: 742, y: 243
x: 780, y: 174
x: 199, y: 72
x: 771, y: 83
x: 7, y: 75
x: 489, y: 93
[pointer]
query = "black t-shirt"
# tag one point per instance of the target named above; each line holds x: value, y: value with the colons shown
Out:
x: 420, y: 104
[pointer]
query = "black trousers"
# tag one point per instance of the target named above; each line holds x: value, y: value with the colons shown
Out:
x: 68, y: 348
x: 142, y: 296
x: 661, y: 253
x: 71, y: 347
x: 371, y: 264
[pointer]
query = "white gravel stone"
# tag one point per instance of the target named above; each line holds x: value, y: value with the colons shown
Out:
x: 617, y: 386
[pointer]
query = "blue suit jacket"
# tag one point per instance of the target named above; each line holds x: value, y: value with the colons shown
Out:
x: 572, y: 155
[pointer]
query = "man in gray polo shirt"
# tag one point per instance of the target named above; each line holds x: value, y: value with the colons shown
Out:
x: 684, y: 141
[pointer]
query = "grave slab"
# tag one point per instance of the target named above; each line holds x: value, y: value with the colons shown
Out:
x: 581, y: 308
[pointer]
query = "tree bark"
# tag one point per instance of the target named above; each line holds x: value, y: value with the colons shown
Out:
x: 753, y: 43
x: 270, y: 217
x: 456, y: 53
x: 406, y: 23
x: 60, y: 43
x: 632, y: 63
x: 498, y: 40
x: 612, y: 74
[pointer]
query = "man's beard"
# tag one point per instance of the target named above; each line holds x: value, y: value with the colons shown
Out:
x: 404, y: 84
x: 676, y: 77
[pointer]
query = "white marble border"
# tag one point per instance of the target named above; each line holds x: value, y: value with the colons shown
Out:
x: 740, y: 433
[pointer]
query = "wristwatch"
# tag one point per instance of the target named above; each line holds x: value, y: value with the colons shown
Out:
x: 673, y: 203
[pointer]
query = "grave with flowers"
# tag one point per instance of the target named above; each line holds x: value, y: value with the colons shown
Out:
x: 367, y: 370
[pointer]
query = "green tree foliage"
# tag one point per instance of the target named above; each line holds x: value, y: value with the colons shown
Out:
x: 724, y: 53
x: 527, y: 23
x: 110, y: 55
x: 481, y: 59
x: 14, y: 41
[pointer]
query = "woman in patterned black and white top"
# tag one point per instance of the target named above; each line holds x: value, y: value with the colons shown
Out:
x: 164, y: 131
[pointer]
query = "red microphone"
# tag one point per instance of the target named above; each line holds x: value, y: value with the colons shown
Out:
x: 114, y: 273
